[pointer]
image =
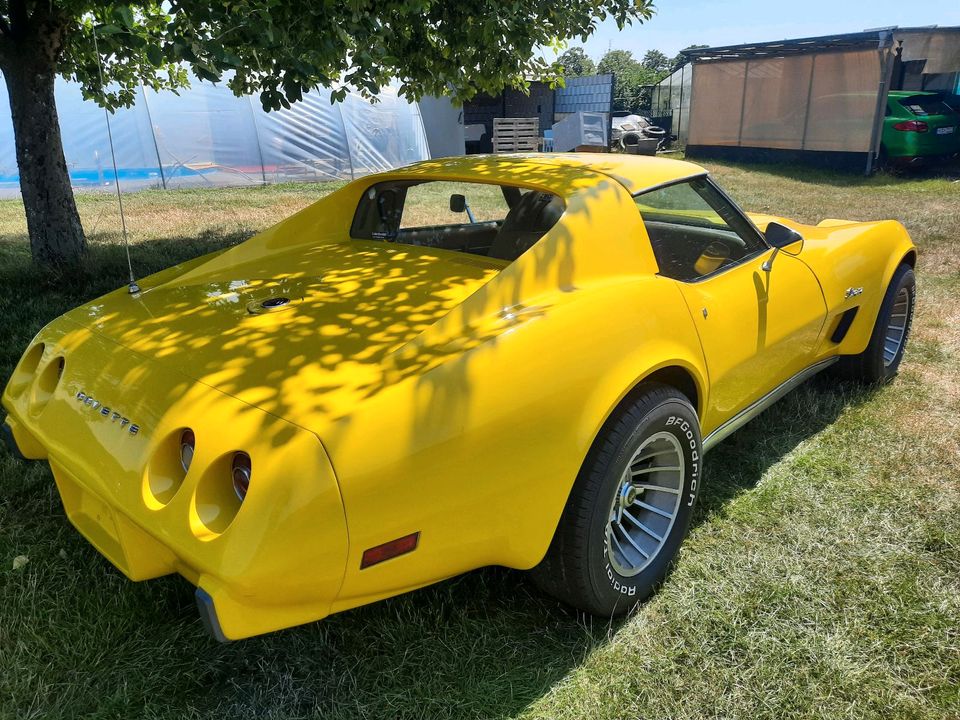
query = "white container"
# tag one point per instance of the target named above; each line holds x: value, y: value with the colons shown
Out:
x: 580, y: 128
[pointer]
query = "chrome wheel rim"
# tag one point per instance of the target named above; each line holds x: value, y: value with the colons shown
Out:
x: 896, y: 331
x: 645, y: 504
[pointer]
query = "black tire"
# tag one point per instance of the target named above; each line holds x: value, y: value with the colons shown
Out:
x: 870, y: 366
x: 883, y: 160
x: 577, y: 568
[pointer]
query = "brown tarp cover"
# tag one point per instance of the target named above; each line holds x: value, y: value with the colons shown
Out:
x: 823, y: 102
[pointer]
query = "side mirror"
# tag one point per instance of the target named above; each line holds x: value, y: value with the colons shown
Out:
x: 458, y: 203
x: 780, y: 237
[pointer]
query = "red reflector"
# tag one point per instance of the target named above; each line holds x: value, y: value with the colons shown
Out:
x: 400, y: 546
x: 911, y: 126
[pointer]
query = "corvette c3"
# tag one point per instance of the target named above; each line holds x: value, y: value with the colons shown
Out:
x: 507, y: 360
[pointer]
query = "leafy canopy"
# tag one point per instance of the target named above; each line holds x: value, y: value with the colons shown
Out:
x: 656, y: 62
x: 281, y: 49
x: 632, y: 80
x: 576, y: 63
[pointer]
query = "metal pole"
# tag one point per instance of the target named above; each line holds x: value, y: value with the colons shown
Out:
x: 693, y: 96
x: 132, y: 288
x: 886, y: 74
x: 256, y: 134
x: 806, y: 114
x: 679, y: 105
x: 153, y: 134
x: 743, y: 102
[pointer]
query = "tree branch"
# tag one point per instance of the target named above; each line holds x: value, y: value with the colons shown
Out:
x: 19, y: 17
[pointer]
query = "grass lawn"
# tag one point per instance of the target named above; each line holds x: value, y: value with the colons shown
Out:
x: 821, y: 578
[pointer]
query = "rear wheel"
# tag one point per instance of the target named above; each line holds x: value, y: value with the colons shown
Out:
x: 881, y: 359
x: 630, y: 506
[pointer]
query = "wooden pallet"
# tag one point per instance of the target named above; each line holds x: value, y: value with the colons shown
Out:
x: 516, y: 135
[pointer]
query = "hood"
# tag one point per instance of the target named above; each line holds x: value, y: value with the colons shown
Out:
x: 292, y: 330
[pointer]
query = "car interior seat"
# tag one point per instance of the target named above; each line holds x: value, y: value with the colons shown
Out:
x: 528, y: 220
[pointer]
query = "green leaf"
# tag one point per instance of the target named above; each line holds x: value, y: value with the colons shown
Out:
x: 205, y: 73
x: 125, y: 15
x: 155, y: 55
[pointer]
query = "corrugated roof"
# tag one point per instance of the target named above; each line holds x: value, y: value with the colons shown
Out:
x: 874, y: 38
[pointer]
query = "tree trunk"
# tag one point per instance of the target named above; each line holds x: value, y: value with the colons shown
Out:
x: 56, y: 235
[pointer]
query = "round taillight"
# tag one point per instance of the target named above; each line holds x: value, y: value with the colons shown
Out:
x: 241, y: 474
x: 188, y: 444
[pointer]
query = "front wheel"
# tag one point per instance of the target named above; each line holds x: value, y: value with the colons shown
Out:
x: 881, y: 359
x: 630, y: 506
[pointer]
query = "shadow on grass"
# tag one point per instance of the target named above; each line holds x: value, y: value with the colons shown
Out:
x: 739, y: 462
x: 77, y: 639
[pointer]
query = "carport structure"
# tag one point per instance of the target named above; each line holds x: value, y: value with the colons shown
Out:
x: 819, y: 99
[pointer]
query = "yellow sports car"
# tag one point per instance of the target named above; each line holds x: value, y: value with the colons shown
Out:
x: 508, y: 360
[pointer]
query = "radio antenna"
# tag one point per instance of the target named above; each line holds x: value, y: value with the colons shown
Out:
x: 133, y: 288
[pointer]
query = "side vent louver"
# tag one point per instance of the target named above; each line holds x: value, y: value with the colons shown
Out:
x: 840, y: 332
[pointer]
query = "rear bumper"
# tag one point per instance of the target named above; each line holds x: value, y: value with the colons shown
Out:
x: 273, y: 561
x: 907, y: 161
x: 139, y: 555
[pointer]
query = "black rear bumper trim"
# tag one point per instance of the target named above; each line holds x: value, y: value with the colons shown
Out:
x: 10, y: 441
x: 208, y: 616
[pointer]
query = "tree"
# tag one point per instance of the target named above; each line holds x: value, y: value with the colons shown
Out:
x: 619, y: 62
x: 279, y: 49
x: 657, y: 63
x: 576, y: 63
x: 630, y: 79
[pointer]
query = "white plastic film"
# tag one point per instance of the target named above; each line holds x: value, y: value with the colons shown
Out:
x: 384, y: 134
x: 305, y: 143
x: 206, y: 136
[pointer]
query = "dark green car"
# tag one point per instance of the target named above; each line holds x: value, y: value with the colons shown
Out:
x: 920, y: 127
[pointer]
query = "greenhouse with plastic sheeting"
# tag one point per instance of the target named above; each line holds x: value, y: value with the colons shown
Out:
x: 207, y: 136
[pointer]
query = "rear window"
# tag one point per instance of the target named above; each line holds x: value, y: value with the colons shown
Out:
x: 924, y: 105
x: 497, y: 221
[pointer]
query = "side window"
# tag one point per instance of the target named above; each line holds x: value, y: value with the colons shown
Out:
x: 428, y: 204
x: 695, y: 231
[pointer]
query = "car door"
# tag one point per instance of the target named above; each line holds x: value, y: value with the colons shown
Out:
x: 758, y: 327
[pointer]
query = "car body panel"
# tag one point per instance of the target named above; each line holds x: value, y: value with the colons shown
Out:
x: 853, y: 262
x: 757, y: 329
x: 406, y: 389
